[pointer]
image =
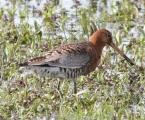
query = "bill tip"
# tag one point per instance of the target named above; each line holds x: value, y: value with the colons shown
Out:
x: 128, y: 60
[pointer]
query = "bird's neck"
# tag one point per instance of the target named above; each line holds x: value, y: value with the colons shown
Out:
x: 97, y: 42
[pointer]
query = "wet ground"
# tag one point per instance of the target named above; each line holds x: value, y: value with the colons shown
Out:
x: 32, y: 27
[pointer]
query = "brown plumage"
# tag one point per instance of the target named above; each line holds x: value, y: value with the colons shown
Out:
x: 73, y: 60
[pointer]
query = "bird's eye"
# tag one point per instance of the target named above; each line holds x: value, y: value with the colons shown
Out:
x: 109, y: 36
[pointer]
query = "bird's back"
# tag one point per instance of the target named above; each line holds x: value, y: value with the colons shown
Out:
x: 67, y: 61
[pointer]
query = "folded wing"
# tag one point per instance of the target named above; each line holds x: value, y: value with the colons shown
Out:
x: 67, y: 56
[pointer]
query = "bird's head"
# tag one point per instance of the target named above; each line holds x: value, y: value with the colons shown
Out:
x: 103, y: 37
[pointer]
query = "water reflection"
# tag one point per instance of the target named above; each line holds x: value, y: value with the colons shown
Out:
x: 36, y: 7
x: 63, y: 17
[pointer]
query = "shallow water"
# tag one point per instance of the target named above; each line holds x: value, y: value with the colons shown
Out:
x: 63, y: 21
x: 34, y: 11
x: 36, y: 7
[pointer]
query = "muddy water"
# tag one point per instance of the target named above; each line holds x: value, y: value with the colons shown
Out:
x: 34, y: 7
x: 33, y: 11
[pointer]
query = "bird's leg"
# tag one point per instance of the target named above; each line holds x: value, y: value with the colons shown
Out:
x: 58, y: 88
x: 73, y: 81
x: 72, y: 87
x: 41, y: 80
x: 58, y: 84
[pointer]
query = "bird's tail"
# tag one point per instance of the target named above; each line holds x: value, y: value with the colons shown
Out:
x: 23, y: 64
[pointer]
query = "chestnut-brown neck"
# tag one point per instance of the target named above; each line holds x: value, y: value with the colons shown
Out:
x: 96, y: 40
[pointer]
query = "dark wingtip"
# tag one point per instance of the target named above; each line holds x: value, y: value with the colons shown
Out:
x: 23, y: 64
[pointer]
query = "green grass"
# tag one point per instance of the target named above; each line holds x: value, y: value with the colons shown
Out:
x: 114, y: 91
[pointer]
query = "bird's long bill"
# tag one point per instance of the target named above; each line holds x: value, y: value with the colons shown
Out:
x: 121, y: 53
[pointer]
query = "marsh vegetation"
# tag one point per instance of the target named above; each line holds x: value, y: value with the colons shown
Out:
x: 30, y: 28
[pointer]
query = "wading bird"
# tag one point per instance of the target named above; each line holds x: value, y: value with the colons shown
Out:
x: 73, y: 60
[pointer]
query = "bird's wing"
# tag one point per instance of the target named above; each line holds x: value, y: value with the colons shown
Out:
x: 67, y: 56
